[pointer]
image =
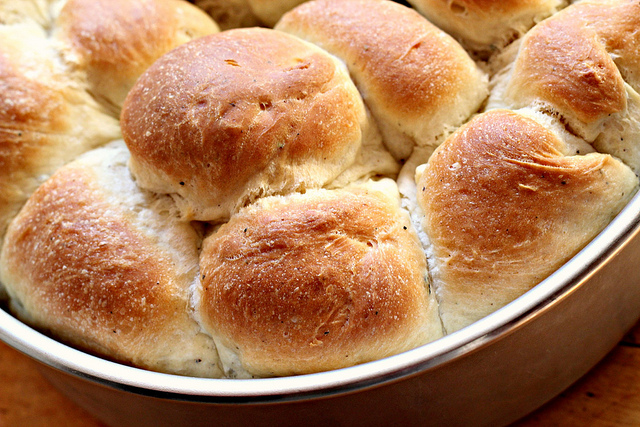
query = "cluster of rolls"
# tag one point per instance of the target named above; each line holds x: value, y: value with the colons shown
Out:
x: 345, y: 182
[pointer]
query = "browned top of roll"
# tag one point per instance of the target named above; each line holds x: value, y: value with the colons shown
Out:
x: 234, y: 113
x: 504, y: 208
x: 363, y: 32
x: 43, y: 114
x: 473, y: 11
x: 78, y: 264
x: 116, y: 40
x: 315, y: 282
x: 491, y: 6
x: 67, y: 229
x: 414, y: 77
x: 28, y: 112
x: 485, y: 26
x: 28, y: 104
x: 571, y: 62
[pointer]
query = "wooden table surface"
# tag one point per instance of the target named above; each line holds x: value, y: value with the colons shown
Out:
x: 609, y: 395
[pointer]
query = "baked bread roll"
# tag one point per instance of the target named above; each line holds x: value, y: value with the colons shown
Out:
x: 114, y: 41
x: 245, y: 113
x: 506, y: 202
x: 105, y: 266
x: 54, y: 55
x: 46, y: 117
x: 485, y: 27
x: 417, y: 81
x: 307, y: 283
x: 582, y: 65
x: 254, y: 222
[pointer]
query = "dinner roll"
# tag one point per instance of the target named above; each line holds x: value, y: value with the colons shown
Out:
x: 230, y: 117
x: 317, y: 281
x: 418, y: 82
x: 115, y: 41
x: 46, y: 117
x: 346, y: 186
x: 102, y: 265
x: 583, y: 65
x: 486, y: 26
x: 506, y: 203
x: 55, y: 56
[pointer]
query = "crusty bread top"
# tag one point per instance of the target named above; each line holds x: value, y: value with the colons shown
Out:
x: 306, y: 283
x: 505, y: 206
x: 104, y: 266
x: 417, y: 80
x: 47, y: 113
x: 246, y: 112
x: 114, y: 41
x: 46, y: 117
x: 486, y: 26
x: 242, y: 128
x: 572, y: 63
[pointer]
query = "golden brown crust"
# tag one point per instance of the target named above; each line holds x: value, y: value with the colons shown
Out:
x: 595, y: 90
x: 29, y: 111
x: 395, y: 66
x: 241, y: 113
x: 312, y: 279
x: 485, y: 26
x: 619, y: 31
x: 114, y: 41
x: 43, y: 115
x: 46, y: 115
x: 569, y: 64
x: 77, y: 265
x: 488, y: 7
x: 67, y: 229
x: 504, y: 208
x: 315, y: 282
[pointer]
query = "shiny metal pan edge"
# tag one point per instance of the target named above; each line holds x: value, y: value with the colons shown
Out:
x: 489, y: 373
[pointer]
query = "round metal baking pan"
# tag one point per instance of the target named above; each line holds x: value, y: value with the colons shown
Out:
x: 489, y: 373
